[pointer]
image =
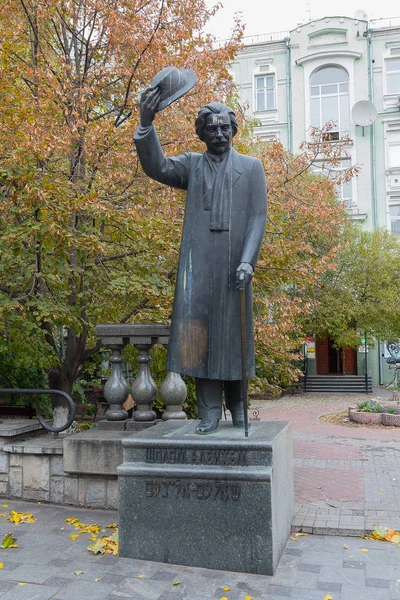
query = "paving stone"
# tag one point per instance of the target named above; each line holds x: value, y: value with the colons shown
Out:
x: 354, y: 592
x: 149, y: 590
x: 331, y: 587
x: 83, y: 590
x: 338, y: 575
x: 31, y: 591
x: 305, y: 594
x: 279, y: 591
x: 58, y: 582
x: 353, y: 564
x: 293, y: 551
x: 309, y: 567
x: 32, y: 573
x: 377, y: 583
x: 5, y: 586
x: 395, y: 591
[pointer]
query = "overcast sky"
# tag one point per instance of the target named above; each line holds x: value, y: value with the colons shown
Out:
x: 261, y: 16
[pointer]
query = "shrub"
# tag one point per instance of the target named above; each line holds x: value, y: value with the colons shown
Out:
x: 370, y: 407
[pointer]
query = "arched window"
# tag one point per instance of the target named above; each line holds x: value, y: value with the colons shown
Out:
x: 330, y: 100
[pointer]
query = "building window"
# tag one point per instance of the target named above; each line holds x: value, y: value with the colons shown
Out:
x: 394, y: 215
x: 336, y: 173
x: 393, y: 76
x: 330, y: 101
x: 265, y: 92
x: 394, y: 150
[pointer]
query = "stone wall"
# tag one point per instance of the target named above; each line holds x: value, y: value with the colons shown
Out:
x: 32, y: 467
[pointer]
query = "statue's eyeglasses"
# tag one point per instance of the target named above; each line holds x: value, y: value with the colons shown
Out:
x: 214, y: 128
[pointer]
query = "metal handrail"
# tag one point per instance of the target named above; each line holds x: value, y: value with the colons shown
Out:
x: 67, y: 397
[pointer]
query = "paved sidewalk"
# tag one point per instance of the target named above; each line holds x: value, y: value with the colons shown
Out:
x: 347, y: 479
x: 43, y: 566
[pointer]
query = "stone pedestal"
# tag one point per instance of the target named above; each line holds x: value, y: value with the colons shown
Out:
x: 220, y: 501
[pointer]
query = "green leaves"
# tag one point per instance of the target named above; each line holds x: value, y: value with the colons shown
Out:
x: 9, y: 541
x: 361, y: 295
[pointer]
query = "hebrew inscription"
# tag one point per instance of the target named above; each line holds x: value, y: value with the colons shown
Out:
x: 183, y: 488
x: 185, y: 456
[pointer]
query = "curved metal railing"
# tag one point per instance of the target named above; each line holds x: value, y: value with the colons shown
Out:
x: 67, y: 397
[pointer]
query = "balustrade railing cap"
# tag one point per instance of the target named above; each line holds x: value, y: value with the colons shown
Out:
x: 127, y: 330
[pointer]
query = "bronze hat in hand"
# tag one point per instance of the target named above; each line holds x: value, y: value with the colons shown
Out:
x: 173, y: 84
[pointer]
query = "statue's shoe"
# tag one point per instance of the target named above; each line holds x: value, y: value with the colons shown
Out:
x: 238, y: 417
x: 207, y: 425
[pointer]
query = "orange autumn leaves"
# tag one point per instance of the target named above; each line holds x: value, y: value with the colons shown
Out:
x: 385, y: 534
x: 85, y: 238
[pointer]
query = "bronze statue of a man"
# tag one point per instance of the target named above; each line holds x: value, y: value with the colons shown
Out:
x: 222, y: 233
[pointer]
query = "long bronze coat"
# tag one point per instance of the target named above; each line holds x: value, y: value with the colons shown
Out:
x: 205, y: 329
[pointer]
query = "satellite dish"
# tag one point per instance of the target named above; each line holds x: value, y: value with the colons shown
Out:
x: 361, y: 15
x: 364, y: 113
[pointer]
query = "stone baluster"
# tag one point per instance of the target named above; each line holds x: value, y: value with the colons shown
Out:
x: 173, y: 391
x: 116, y: 389
x: 144, y: 390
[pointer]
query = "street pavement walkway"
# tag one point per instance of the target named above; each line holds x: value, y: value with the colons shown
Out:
x: 44, y: 567
x: 345, y: 480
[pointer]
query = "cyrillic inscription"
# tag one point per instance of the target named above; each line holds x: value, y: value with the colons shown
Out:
x: 184, y: 456
x: 200, y: 490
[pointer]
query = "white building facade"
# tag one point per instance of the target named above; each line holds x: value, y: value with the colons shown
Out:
x: 293, y: 81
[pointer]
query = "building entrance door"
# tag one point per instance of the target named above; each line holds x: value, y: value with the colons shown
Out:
x: 333, y: 361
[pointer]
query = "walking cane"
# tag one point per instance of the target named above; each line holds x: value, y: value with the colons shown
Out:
x: 242, y: 293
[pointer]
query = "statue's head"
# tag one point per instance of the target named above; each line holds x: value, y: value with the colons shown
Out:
x: 216, y: 125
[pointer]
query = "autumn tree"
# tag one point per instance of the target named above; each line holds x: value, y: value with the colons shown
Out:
x: 360, y: 297
x: 84, y: 237
x: 304, y: 231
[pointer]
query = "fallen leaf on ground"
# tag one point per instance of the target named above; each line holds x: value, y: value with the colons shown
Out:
x: 141, y: 576
x: 107, y: 544
x: 223, y: 598
x: 98, y: 547
x: 300, y: 534
x: 9, y: 541
x: 72, y: 520
x: 226, y: 589
x: 21, y: 582
x: 294, y: 539
x: 20, y: 517
x: 78, y: 573
x: 328, y: 597
x: 1, y: 565
x: 4, y: 505
x: 176, y: 584
x: 363, y: 549
x: 345, y: 546
x: 248, y: 598
x: 384, y: 534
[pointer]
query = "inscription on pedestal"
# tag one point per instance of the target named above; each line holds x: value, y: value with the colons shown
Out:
x: 186, y: 456
x: 196, y: 490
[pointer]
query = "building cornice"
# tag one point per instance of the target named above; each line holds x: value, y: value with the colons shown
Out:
x: 327, y: 55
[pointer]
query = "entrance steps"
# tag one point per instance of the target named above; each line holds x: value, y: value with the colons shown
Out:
x: 336, y: 384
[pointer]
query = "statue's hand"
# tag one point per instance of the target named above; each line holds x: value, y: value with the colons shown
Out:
x: 149, y: 101
x: 244, y: 272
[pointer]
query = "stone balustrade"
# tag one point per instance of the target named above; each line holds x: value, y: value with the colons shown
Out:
x: 144, y: 390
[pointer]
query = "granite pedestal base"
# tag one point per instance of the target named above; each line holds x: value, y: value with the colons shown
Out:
x: 220, y: 501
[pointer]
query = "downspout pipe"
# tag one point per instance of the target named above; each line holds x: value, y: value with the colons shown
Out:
x: 289, y: 93
x: 373, y: 170
x: 372, y: 137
